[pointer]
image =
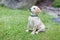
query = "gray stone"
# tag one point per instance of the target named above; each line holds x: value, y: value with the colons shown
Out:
x: 52, y: 11
x: 18, y: 3
x: 57, y: 20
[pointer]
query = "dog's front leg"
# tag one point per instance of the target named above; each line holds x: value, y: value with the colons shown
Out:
x: 34, y: 30
x: 28, y: 27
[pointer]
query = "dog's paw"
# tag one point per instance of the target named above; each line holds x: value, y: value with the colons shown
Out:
x: 36, y: 32
x: 33, y: 33
x: 27, y: 30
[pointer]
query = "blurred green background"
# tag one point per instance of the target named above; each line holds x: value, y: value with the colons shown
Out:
x: 56, y: 3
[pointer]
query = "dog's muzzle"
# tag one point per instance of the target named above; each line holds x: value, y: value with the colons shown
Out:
x: 30, y: 10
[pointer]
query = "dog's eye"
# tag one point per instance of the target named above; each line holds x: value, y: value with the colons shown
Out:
x: 34, y: 8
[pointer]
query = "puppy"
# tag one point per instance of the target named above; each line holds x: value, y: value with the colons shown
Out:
x: 34, y: 21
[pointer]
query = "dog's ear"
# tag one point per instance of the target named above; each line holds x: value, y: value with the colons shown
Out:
x: 38, y: 10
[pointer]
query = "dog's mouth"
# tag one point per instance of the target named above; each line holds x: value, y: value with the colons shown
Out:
x: 30, y: 10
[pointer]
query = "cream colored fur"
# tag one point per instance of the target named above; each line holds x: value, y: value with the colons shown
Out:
x: 35, y: 22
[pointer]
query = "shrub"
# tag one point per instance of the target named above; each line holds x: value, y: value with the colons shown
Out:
x: 56, y: 3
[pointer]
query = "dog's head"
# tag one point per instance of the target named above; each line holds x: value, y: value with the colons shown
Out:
x: 35, y: 9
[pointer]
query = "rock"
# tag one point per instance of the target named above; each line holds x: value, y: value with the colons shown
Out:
x: 52, y: 11
x: 57, y: 20
x: 0, y: 1
x: 18, y: 3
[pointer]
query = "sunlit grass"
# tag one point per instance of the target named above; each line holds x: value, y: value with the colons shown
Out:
x: 13, y: 24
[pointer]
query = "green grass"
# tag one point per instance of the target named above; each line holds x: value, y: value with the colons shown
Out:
x: 56, y: 3
x: 13, y: 24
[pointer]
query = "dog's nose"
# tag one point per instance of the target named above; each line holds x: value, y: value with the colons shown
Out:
x: 29, y: 9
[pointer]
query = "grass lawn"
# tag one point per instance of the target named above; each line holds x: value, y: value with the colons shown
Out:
x: 13, y: 24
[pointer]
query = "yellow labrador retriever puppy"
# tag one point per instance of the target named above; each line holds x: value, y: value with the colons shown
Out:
x: 34, y: 21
